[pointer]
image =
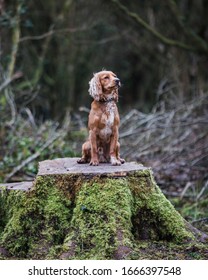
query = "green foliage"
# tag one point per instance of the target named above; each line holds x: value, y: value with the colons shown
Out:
x: 8, y: 16
x: 193, y: 211
x: 25, y: 141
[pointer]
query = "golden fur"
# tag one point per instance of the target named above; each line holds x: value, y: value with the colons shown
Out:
x: 103, y: 123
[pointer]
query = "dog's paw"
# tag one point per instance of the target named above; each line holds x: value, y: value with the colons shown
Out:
x: 82, y: 160
x: 122, y: 160
x: 115, y: 161
x: 94, y: 162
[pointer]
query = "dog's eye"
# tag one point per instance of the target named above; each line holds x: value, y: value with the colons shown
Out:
x: 106, y: 77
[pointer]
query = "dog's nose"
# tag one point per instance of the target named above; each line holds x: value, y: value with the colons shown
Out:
x: 117, y: 81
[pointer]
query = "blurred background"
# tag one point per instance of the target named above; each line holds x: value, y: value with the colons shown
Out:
x: 49, y: 51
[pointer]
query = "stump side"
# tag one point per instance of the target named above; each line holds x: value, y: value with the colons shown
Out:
x: 96, y: 215
x: 21, y: 186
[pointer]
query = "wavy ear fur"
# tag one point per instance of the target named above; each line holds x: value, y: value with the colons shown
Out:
x: 95, y: 89
x: 115, y: 95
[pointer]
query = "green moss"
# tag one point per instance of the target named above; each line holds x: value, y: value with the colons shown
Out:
x: 74, y: 217
x: 102, y: 214
x: 40, y: 218
x: 164, y: 221
x: 8, y: 202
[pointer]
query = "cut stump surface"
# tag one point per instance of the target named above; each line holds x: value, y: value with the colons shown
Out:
x: 70, y: 166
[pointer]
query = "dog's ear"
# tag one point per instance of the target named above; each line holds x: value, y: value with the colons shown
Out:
x: 95, y: 89
x: 115, y: 95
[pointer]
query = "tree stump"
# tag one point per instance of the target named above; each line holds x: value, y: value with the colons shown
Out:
x: 78, y: 211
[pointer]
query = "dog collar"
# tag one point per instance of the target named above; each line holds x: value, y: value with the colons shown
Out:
x: 107, y: 101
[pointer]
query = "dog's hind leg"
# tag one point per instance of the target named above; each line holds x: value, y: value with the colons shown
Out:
x: 86, y: 153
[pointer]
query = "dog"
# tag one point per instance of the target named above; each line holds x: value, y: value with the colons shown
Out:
x: 102, y: 145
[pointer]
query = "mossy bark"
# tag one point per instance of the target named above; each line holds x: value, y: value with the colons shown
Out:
x: 74, y: 216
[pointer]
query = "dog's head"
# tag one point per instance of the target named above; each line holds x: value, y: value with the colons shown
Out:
x: 104, y: 86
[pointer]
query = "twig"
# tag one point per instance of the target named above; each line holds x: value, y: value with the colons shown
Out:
x: 199, y: 159
x: 17, y: 75
x: 30, y: 117
x: 33, y: 157
x: 176, y: 194
x: 51, y: 33
x: 200, y: 220
x: 12, y: 105
x: 202, y: 191
x: 188, y: 186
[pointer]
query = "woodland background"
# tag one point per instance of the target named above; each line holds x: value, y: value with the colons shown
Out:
x: 159, y: 49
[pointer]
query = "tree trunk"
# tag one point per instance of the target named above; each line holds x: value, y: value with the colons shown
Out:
x: 78, y: 211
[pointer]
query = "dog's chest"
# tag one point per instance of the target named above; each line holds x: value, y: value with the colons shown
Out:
x: 108, y: 120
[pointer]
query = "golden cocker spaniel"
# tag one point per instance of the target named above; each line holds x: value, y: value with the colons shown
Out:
x: 102, y: 145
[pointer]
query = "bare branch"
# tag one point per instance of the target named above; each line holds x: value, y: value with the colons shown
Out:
x: 15, y: 40
x: 17, y: 75
x: 34, y: 156
x: 165, y: 40
x: 10, y: 99
x: 51, y: 33
x: 198, y: 41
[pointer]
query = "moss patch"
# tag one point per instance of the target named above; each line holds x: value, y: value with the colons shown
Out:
x: 154, y: 217
x: 8, y: 202
x: 74, y: 217
x: 38, y: 220
x: 101, y: 219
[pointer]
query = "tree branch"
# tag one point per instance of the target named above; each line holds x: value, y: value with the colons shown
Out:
x: 15, y: 41
x: 51, y: 33
x: 17, y: 75
x: 40, y: 64
x: 198, y: 41
x: 165, y: 40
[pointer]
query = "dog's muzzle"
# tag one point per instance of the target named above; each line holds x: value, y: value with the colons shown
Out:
x: 117, y: 82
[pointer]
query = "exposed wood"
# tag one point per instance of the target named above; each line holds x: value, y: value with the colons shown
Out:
x: 21, y: 186
x: 70, y: 166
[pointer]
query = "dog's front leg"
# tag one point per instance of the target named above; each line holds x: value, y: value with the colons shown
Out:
x: 113, y: 148
x: 94, y: 152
